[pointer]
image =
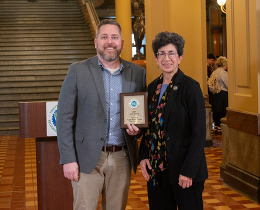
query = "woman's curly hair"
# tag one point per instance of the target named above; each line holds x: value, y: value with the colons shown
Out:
x: 221, y: 61
x: 164, y: 38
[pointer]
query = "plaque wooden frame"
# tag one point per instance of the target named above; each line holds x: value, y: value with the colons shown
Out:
x: 122, y: 109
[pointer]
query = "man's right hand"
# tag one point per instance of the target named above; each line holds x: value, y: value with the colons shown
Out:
x: 71, y: 171
x: 143, y: 164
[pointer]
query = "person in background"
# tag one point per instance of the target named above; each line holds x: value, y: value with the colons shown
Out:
x: 210, y: 68
x: 210, y: 63
x: 97, y: 155
x: 219, y: 101
x: 172, y: 158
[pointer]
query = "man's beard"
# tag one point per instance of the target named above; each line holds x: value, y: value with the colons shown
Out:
x: 109, y: 56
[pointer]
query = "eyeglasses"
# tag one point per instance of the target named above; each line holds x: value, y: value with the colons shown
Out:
x: 162, y: 55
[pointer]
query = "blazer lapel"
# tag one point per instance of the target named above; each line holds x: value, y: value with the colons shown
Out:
x: 176, y: 88
x: 98, y: 79
x: 126, y: 77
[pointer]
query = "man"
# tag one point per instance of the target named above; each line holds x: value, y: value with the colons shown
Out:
x: 210, y: 63
x: 97, y: 155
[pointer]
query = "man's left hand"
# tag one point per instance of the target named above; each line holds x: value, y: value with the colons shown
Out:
x: 132, y: 130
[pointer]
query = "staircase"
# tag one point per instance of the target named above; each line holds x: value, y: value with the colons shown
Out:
x: 38, y: 42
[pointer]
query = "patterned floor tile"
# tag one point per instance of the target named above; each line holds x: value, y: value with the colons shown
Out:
x: 18, y: 180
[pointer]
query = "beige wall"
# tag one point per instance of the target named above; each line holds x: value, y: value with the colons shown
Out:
x: 156, y: 20
x: 187, y: 18
x: 258, y: 49
x: 243, y: 54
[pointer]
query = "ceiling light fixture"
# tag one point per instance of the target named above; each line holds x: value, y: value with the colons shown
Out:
x: 222, y: 4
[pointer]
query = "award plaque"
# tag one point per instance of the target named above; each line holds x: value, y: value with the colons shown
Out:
x: 134, y: 109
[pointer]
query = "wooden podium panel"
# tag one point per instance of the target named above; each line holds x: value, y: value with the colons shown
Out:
x: 32, y: 119
x: 54, y: 190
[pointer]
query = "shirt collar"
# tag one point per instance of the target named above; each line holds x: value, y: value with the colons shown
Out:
x: 102, y: 67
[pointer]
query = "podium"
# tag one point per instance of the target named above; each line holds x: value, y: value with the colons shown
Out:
x: 54, y: 190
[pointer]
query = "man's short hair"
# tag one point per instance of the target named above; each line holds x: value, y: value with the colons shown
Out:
x: 109, y: 22
x: 211, y: 56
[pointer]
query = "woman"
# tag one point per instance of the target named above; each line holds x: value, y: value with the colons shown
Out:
x: 172, y: 150
x: 219, y: 101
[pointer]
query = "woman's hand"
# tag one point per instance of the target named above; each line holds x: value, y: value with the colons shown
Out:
x: 132, y: 130
x: 184, y: 181
x: 143, y: 164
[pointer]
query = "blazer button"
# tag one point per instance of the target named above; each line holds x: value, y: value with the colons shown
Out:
x: 102, y: 139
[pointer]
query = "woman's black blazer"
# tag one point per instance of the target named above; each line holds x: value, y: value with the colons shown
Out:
x: 185, y: 129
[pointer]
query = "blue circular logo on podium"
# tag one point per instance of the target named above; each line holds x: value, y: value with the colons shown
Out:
x: 54, y: 117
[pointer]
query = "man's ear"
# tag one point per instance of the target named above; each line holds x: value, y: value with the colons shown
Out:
x: 95, y: 41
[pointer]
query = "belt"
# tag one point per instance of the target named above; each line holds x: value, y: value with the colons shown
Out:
x: 113, y: 148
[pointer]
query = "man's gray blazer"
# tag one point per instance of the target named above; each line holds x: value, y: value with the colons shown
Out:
x: 81, y: 119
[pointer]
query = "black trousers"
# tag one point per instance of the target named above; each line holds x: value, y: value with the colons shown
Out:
x: 219, y: 104
x: 217, y: 117
x: 166, y: 196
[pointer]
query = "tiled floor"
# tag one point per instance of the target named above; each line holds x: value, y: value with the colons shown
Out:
x: 18, y: 180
